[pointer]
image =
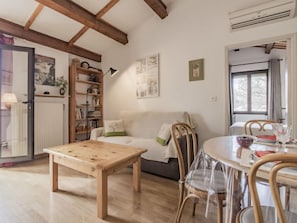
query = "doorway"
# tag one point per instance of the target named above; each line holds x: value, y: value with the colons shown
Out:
x: 289, y: 104
x: 17, y: 104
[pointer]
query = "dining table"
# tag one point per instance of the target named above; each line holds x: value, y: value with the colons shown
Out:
x: 227, y: 151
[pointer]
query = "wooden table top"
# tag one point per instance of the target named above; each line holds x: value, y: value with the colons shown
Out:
x: 95, y: 153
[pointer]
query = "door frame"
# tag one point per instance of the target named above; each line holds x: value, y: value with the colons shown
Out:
x: 292, y: 76
x: 29, y: 102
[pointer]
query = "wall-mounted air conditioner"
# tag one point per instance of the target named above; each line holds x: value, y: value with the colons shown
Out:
x: 268, y: 12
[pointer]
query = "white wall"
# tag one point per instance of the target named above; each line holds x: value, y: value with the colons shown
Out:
x: 194, y: 29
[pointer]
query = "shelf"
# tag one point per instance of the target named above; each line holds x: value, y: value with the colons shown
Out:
x: 87, y: 71
x: 88, y: 119
x: 88, y: 82
x: 83, y: 132
x: 89, y: 94
x: 49, y: 95
x: 89, y: 105
x: 84, y: 106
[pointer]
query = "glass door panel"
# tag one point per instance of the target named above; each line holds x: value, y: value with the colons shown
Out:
x: 17, y: 107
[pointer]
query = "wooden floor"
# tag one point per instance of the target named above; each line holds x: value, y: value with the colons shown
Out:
x: 25, y: 197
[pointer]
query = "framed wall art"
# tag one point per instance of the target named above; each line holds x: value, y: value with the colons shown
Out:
x: 196, y: 70
x: 147, y: 77
x: 44, y: 70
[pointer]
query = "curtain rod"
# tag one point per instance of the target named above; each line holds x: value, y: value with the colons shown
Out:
x: 253, y: 63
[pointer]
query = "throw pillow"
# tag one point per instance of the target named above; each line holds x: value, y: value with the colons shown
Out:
x: 164, y: 134
x: 114, y: 128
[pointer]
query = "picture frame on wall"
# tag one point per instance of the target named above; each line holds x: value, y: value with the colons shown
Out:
x: 196, y: 70
x: 44, y: 70
x: 147, y: 77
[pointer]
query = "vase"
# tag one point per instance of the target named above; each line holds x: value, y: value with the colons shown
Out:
x: 62, y: 91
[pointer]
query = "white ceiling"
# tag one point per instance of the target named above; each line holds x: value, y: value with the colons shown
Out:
x: 126, y: 15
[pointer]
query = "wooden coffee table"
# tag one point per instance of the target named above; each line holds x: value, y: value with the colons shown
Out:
x: 98, y: 159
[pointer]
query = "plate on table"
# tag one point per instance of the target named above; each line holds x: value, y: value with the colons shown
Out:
x: 266, y: 138
x: 263, y: 153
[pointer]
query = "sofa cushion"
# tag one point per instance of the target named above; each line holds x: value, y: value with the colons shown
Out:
x: 146, y: 124
x: 123, y: 140
x: 114, y: 128
x: 155, y: 151
x: 164, y: 134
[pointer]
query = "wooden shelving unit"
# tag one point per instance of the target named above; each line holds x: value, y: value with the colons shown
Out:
x: 85, y: 103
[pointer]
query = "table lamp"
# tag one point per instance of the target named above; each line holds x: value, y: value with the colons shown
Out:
x: 8, y: 99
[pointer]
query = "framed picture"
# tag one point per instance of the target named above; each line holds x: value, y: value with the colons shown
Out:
x: 147, y: 77
x: 44, y: 70
x: 196, y: 70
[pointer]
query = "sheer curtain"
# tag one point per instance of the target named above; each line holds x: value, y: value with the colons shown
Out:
x: 274, y: 103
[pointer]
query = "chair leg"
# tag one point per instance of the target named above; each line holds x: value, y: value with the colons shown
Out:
x: 181, y: 198
x: 178, y: 216
x: 246, y: 190
x: 287, y: 198
x: 220, y: 211
x: 194, y: 207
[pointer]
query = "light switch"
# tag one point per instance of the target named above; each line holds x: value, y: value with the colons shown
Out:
x: 213, y: 99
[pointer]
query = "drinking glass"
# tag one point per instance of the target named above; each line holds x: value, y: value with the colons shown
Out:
x: 282, y: 133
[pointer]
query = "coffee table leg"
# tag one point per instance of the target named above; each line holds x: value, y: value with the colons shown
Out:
x: 53, y: 173
x: 101, y: 194
x: 136, y: 175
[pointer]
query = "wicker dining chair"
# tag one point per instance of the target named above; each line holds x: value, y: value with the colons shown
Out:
x: 195, y: 183
x: 260, y: 127
x: 258, y: 213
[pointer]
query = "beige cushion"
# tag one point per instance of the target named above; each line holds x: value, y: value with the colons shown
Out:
x: 114, y: 128
x: 164, y: 134
x: 147, y: 124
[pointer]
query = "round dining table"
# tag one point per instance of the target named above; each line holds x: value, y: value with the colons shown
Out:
x: 227, y: 151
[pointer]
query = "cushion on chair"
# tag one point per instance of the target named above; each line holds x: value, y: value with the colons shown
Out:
x: 247, y: 215
x: 209, y: 180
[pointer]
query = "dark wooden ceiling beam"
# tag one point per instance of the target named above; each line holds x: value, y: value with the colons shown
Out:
x: 81, y: 15
x: 98, y: 15
x: 18, y: 31
x: 159, y: 7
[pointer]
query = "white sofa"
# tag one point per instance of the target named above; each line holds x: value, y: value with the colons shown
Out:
x: 141, y: 130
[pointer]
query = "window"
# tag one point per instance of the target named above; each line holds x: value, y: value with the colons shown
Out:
x: 250, y: 92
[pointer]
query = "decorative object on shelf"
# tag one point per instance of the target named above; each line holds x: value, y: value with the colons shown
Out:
x: 196, y: 70
x: 112, y: 71
x: 93, y: 78
x: 89, y: 90
x: 86, y: 65
x: 62, y: 84
x: 147, y: 77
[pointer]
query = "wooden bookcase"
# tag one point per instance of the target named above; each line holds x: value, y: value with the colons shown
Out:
x: 85, y: 102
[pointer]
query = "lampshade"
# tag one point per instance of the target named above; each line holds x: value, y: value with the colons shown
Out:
x: 112, y: 71
x: 8, y: 99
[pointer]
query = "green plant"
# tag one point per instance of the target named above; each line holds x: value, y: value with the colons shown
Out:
x: 61, y: 82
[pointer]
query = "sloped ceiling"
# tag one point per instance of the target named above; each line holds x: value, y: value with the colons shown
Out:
x: 85, y: 27
x: 81, y: 27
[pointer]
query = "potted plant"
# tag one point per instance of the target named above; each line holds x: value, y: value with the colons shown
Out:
x: 62, y: 84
